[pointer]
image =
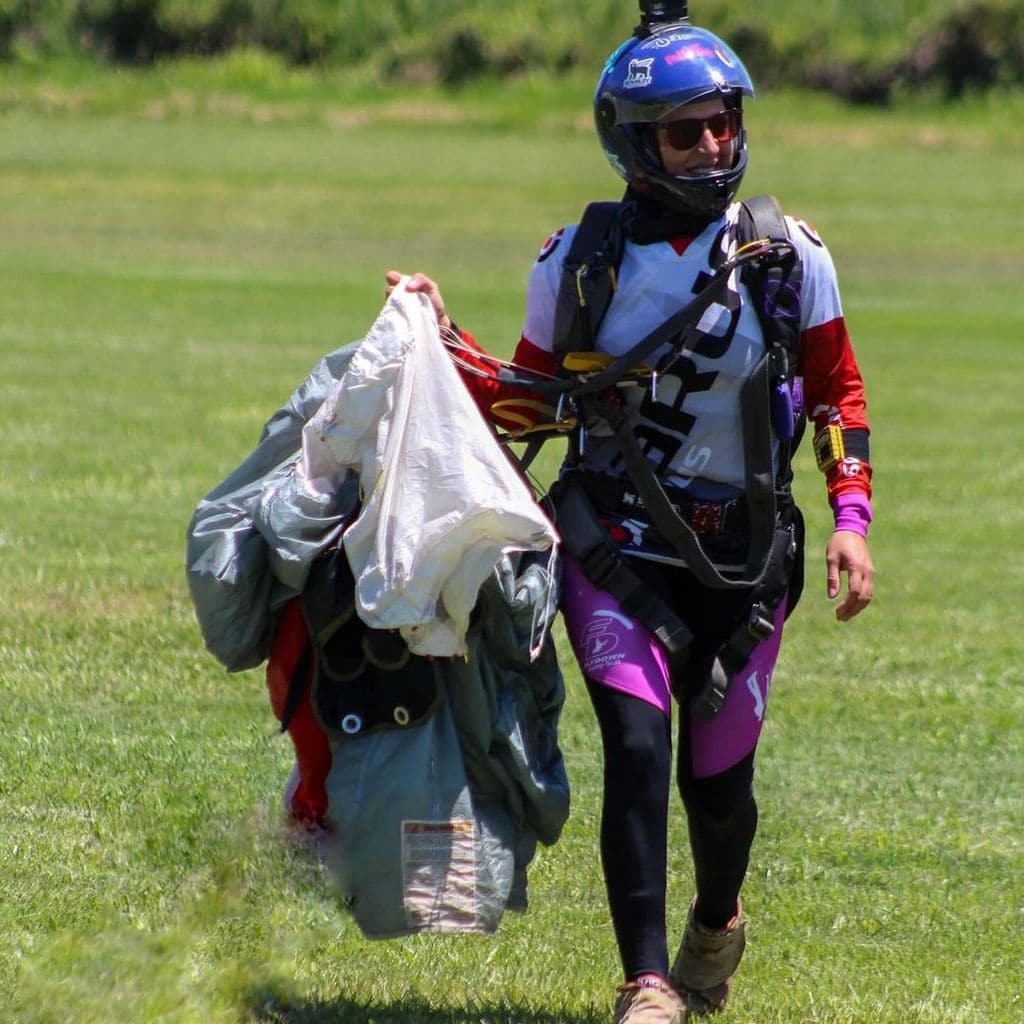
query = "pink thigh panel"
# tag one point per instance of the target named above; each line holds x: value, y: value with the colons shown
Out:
x: 733, y: 733
x: 612, y: 647
x: 618, y: 651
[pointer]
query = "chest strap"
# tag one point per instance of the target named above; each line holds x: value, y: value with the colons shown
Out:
x: 760, y: 486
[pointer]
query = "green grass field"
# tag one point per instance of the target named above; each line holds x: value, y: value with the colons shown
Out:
x: 166, y: 280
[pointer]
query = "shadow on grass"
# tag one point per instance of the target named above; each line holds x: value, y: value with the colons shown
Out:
x: 274, y: 1007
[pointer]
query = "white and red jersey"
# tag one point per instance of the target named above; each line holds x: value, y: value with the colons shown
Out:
x: 690, y: 426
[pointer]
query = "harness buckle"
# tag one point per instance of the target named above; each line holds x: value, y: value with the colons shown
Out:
x: 711, y: 698
x: 760, y: 624
x: 599, y: 564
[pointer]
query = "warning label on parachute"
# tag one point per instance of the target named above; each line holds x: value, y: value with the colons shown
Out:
x: 439, y: 875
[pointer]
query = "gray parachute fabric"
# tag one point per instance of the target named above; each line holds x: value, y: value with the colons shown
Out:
x: 433, y: 825
x: 433, y: 828
x: 408, y: 848
x: 252, y: 539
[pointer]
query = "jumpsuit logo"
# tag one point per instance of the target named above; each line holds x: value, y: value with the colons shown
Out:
x: 600, y: 640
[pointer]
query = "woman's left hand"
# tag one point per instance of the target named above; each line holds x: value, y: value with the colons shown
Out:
x: 847, y: 552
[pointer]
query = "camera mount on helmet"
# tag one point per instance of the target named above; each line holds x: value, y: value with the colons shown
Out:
x: 655, y: 13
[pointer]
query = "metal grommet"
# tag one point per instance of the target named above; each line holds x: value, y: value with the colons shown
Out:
x: 401, y: 714
x: 351, y: 724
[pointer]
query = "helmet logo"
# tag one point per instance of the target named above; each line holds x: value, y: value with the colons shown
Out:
x: 639, y: 73
x: 689, y: 53
x: 660, y: 42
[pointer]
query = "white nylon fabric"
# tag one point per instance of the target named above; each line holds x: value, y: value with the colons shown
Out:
x: 441, y: 501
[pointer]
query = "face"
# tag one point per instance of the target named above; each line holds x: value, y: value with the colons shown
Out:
x: 706, y: 153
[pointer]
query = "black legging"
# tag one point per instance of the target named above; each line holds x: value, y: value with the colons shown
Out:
x: 722, y: 819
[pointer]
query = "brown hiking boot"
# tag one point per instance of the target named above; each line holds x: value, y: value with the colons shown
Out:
x: 706, y: 962
x: 648, y: 1000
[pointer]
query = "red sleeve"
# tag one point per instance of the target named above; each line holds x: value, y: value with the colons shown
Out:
x: 509, y: 406
x: 834, y: 396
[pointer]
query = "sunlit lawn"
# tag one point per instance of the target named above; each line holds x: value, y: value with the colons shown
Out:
x: 167, y: 282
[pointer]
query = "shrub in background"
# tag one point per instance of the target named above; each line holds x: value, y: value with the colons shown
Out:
x: 860, y: 51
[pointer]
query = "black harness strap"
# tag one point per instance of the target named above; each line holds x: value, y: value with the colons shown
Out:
x: 772, y: 275
x: 760, y: 489
x: 755, y: 407
x: 758, y: 625
x: 665, y: 333
x: 597, y: 555
x: 775, y: 291
x: 588, y: 277
x: 775, y: 287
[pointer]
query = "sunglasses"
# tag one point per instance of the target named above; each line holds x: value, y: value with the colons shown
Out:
x: 686, y: 132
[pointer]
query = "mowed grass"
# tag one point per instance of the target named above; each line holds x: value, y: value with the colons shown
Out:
x: 165, y: 283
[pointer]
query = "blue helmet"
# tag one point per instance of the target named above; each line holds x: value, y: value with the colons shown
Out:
x: 644, y: 79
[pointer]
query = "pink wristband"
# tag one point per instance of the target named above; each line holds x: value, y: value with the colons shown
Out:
x: 852, y: 512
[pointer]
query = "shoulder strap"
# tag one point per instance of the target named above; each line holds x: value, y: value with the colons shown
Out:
x: 588, y: 278
x: 775, y: 291
x: 762, y: 217
x: 775, y: 288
